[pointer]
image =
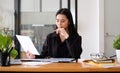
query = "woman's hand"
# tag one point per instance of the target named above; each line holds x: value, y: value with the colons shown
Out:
x: 30, y: 55
x: 62, y: 32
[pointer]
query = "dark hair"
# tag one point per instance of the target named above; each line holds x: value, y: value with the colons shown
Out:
x: 67, y: 13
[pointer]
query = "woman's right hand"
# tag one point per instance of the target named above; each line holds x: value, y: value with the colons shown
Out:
x: 30, y: 55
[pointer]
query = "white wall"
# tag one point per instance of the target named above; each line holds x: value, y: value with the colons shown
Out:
x: 112, y: 24
x: 7, y: 4
x: 98, y: 22
x: 88, y: 26
x: 7, y: 13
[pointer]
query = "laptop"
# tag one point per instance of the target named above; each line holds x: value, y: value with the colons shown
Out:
x: 59, y: 60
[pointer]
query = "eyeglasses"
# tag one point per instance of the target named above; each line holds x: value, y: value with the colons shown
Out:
x: 98, y: 56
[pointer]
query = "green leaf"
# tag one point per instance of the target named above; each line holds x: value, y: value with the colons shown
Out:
x: 13, y: 53
x: 116, y: 42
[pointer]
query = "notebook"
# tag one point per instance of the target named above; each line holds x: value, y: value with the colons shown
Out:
x: 27, y: 44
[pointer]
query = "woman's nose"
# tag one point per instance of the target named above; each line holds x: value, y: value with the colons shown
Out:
x: 59, y: 25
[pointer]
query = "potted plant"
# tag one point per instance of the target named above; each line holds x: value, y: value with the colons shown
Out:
x: 116, y: 45
x: 7, y: 50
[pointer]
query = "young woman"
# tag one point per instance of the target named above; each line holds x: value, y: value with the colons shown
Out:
x: 64, y: 42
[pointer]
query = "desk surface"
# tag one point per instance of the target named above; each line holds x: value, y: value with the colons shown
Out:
x: 59, y: 67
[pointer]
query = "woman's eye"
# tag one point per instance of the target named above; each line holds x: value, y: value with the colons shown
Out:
x: 63, y: 21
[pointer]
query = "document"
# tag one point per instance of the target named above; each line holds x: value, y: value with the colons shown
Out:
x: 35, y: 63
x: 27, y: 44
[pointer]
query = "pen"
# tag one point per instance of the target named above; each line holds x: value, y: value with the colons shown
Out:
x: 10, y: 51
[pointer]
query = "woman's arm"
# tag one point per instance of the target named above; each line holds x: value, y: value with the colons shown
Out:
x: 74, y: 48
x: 44, y: 51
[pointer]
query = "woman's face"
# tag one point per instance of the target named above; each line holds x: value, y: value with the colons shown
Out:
x: 62, y: 21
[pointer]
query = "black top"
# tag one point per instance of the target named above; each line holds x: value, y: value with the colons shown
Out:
x: 53, y: 47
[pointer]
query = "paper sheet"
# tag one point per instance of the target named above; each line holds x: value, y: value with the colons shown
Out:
x: 27, y: 44
x: 36, y: 63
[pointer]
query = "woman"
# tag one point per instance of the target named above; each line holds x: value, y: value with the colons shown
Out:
x: 64, y: 42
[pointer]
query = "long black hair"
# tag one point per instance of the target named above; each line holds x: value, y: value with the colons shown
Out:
x: 67, y: 13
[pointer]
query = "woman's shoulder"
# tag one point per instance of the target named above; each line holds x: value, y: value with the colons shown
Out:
x: 79, y: 36
x: 76, y: 36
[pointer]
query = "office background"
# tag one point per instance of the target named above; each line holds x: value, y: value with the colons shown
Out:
x: 98, y: 21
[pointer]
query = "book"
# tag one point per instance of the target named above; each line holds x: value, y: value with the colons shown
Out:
x: 103, y: 60
x: 100, y: 63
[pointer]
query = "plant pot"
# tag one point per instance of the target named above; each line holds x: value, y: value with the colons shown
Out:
x: 4, y: 59
x: 118, y: 55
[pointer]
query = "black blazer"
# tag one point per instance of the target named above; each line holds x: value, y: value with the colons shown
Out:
x: 53, y: 47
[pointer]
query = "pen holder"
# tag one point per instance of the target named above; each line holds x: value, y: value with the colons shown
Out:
x: 4, y: 59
